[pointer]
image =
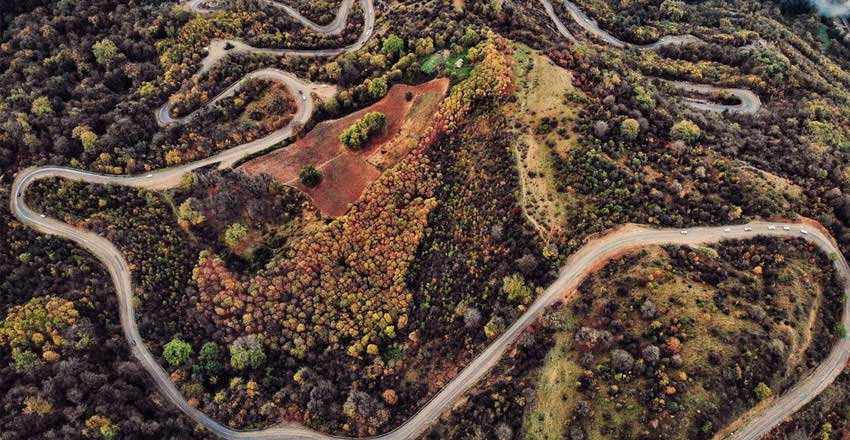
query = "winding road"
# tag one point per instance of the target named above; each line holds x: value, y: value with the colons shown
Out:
x: 750, y: 102
x: 807, y: 389
x: 218, y: 49
x: 593, y: 254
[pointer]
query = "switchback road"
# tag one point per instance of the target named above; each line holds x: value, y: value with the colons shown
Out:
x: 219, y: 49
x: 750, y: 102
x: 593, y: 254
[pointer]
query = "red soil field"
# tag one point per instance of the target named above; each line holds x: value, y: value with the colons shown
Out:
x: 345, y: 173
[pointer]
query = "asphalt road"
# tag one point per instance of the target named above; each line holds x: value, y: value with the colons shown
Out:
x: 335, y: 27
x: 591, y: 255
x: 219, y: 48
x: 805, y: 390
x: 750, y: 102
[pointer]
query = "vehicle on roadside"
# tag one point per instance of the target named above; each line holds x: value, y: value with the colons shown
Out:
x: 726, y: 230
x: 748, y: 229
x: 42, y: 215
x: 786, y: 228
x: 804, y: 232
x: 683, y: 232
x: 771, y: 227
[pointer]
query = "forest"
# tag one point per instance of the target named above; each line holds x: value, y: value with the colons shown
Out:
x: 264, y: 311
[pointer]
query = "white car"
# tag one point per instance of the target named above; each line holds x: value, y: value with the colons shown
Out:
x: 786, y: 228
x: 683, y: 232
x: 42, y: 215
x: 148, y: 176
x: 726, y: 230
x: 803, y: 231
x: 748, y: 229
x: 771, y: 227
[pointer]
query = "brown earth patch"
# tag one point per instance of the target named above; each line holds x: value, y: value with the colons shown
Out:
x: 347, y: 173
x: 344, y: 178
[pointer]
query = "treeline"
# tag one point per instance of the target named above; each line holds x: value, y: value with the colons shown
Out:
x: 359, y: 133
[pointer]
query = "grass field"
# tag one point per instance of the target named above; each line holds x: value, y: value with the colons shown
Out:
x: 548, y: 114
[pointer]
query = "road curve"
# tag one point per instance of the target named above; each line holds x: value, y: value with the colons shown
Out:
x: 750, y: 102
x: 221, y: 48
x: 335, y: 27
x: 592, y: 254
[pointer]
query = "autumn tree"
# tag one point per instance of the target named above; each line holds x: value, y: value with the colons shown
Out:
x: 685, y: 130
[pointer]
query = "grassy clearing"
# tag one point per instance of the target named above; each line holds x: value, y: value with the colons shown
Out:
x: 713, y: 329
x: 547, y: 112
x: 555, y: 389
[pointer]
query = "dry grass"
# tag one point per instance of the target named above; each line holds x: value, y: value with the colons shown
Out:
x: 675, y: 295
x: 542, y: 92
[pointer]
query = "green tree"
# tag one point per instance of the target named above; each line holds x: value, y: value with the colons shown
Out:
x: 376, y: 88
x: 685, y: 130
x: 310, y: 176
x: 234, y: 234
x: 41, y: 106
x: 763, y: 391
x: 247, y: 352
x: 673, y: 9
x: 356, y: 135
x: 104, y: 51
x: 393, y: 44
x: 25, y: 360
x: 209, y: 359
x: 630, y: 129
x: 516, y: 290
x: 424, y: 46
x: 86, y: 136
x: 470, y: 37
x: 177, y: 352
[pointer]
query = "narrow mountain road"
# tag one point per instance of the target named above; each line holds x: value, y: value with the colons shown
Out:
x: 750, y: 102
x: 807, y: 389
x: 594, y: 253
x: 578, y: 266
x: 218, y: 49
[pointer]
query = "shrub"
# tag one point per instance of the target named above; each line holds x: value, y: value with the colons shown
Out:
x: 763, y: 391
x: 841, y: 330
x: 310, y: 176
